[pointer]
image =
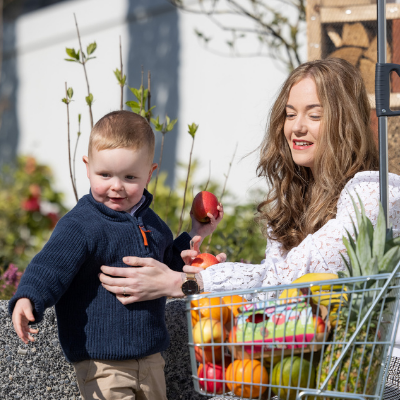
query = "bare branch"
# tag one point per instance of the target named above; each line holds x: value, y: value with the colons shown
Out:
x: 209, y: 175
x: 76, y: 147
x: 158, y: 168
x: 141, y: 100
x: 227, y: 175
x: 122, y: 74
x: 148, y: 96
x: 69, y: 144
x: 184, y: 193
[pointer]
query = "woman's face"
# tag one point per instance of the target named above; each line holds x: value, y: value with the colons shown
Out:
x: 302, y: 123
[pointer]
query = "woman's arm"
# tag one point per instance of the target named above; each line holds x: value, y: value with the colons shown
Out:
x: 319, y: 252
x: 153, y: 280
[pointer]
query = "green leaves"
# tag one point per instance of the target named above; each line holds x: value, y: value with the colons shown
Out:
x: 89, y: 99
x: 77, y: 56
x: 135, y: 107
x: 67, y: 99
x: 167, y: 126
x: 121, y: 79
x: 192, y: 129
x: 91, y: 48
x: 73, y: 54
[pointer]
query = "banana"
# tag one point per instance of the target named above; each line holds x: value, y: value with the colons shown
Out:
x: 287, y: 294
x: 325, y: 294
x: 316, y: 276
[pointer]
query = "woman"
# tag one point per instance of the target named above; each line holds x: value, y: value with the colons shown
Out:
x: 317, y: 152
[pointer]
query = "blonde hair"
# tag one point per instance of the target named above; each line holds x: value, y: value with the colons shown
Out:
x: 299, y: 203
x: 122, y: 129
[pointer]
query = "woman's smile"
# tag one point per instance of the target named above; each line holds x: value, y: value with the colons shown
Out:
x: 302, y: 123
x: 302, y: 144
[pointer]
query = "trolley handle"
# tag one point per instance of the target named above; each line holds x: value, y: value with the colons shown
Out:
x: 382, y: 89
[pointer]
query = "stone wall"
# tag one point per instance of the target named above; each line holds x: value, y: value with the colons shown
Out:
x: 39, y: 371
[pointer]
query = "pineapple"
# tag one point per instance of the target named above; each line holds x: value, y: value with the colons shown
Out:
x: 373, y: 251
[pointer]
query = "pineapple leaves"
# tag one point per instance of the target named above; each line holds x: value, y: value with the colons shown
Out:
x: 357, y: 211
x: 390, y: 259
x: 347, y: 264
x: 353, y: 257
x: 374, y: 250
x: 363, y: 246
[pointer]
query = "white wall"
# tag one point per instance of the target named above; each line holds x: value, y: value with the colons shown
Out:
x: 42, y: 73
x: 228, y: 97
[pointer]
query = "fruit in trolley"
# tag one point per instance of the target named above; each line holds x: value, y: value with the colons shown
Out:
x: 234, y: 302
x: 208, y: 331
x: 209, y: 372
x: 319, y: 324
x: 204, y: 203
x: 204, y: 260
x: 293, y: 372
x: 208, y: 354
x: 247, y: 376
x: 211, y: 307
x: 324, y: 294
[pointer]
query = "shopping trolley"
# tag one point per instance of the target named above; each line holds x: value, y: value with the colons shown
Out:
x: 326, y: 339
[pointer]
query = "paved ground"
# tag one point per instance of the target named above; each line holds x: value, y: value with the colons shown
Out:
x: 39, y: 371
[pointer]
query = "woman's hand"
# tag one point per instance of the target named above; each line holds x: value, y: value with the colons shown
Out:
x: 152, y: 281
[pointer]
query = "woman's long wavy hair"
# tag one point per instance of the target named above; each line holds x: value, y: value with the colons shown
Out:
x: 298, y: 202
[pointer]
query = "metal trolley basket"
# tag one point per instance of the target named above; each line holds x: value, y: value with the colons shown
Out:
x: 327, y: 339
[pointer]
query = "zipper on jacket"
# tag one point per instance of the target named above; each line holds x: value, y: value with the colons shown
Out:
x: 143, y: 231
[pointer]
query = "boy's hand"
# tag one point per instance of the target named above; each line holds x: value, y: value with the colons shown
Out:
x: 22, y: 315
x: 189, y: 255
x: 204, y: 229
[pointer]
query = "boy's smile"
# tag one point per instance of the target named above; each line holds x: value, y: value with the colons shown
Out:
x: 118, y: 176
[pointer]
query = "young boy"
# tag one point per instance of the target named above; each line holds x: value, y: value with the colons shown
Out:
x: 115, y: 348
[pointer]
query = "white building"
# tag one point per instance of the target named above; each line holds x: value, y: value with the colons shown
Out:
x: 228, y: 97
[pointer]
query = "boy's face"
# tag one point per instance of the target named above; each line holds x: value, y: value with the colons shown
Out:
x: 119, y: 176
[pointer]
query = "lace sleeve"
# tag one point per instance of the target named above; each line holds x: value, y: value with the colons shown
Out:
x: 320, y: 252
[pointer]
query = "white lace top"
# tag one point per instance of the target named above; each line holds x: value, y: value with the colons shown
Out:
x: 319, y: 252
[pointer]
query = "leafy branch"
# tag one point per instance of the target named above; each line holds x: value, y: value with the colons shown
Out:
x: 81, y: 58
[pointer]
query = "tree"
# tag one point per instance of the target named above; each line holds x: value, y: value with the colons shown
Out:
x: 274, y: 26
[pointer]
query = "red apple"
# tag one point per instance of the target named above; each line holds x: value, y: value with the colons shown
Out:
x: 319, y: 323
x: 211, y: 371
x: 204, y: 203
x: 204, y: 260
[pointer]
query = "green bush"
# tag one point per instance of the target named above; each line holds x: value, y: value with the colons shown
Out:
x: 29, y: 210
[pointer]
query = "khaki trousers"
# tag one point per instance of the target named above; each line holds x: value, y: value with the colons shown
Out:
x: 141, y: 379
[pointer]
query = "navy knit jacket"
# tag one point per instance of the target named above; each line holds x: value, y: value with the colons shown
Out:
x: 92, y: 323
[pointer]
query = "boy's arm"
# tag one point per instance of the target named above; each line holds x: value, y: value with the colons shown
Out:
x: 52, y: 270
x: 22, y: 315
x: 205, y: 229
x: 173, y: 257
